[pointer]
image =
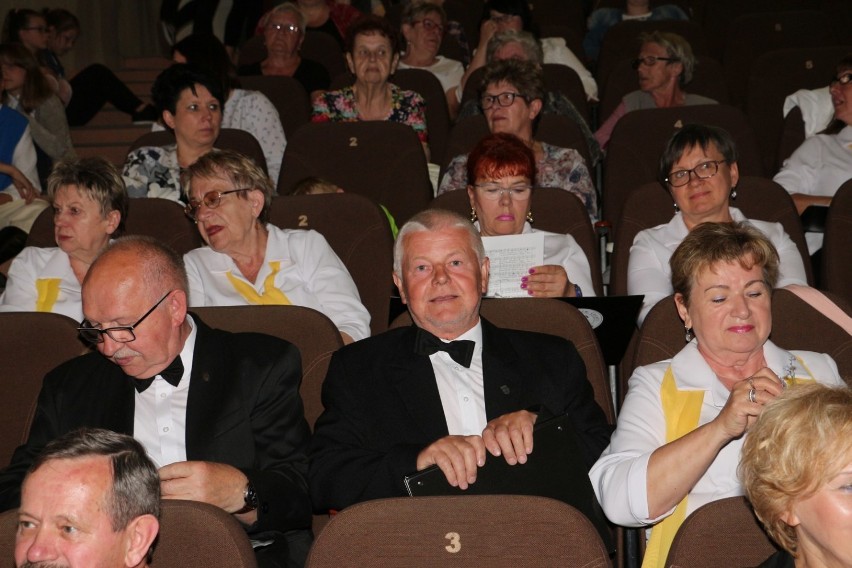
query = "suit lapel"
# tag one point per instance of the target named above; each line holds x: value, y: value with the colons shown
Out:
x: 502, y: 376
x: 207, y: 398
x: 414, y: 380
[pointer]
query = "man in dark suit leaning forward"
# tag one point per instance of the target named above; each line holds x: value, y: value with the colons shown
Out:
x: 394, y: 404
x: 220, y: 415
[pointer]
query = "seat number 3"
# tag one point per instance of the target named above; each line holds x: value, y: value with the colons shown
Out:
x: 455, y: 542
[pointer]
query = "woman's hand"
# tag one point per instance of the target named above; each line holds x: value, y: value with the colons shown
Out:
x: 547, y: 281
x: 22, y: 184
x: 743, y: 408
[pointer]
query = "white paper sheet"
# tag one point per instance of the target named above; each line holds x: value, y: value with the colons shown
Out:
x: 511, y: 258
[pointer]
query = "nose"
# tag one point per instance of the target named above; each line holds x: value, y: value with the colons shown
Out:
x: 739, y: 307
x: 108, y: 346
x: 505, y: 199
x: 42, y: 547
x: 440, y: 275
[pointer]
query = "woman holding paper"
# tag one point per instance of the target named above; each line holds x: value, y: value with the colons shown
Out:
x: 502, y: 168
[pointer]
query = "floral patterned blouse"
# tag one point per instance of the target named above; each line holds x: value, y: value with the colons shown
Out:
x: 564, y: 168
x: 407, y: 107
x: 153, y: 171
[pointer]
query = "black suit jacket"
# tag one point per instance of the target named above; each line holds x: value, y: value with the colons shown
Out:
x: 382, y: 407
x: 243, y: 409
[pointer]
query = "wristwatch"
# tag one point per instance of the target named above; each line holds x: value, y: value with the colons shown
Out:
x: 250, y: 498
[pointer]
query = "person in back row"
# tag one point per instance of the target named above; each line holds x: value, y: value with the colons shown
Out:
x: 451, y: 390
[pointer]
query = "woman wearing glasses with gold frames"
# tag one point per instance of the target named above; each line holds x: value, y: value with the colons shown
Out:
x: 511, y: 98
x: 664, y: 66
x: 699, y: 169
x: 423, y: 27
x: 501, y: 169
x: 817, y: 169
x: 251, y: 262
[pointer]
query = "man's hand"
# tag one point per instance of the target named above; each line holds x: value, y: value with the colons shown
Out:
x: 511, y: 436
x: 214, y: 483
x: 457, y: 456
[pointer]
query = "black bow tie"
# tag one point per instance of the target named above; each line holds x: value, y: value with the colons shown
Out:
x: 172, y: 374
x: 460, y: 351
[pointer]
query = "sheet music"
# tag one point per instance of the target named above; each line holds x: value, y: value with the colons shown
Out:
x: 511, y: 258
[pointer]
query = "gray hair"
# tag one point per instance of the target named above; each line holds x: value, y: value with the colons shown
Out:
x: 434, y: 220
x: 416, y: 10
x: 286, y: 7
x: 135, y: 487
x: 96, y: 178
x: 677, y: 48
x: 527, y: 41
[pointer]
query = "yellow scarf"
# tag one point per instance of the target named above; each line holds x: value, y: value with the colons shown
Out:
x: 271, y: 295
x: 48, y: 292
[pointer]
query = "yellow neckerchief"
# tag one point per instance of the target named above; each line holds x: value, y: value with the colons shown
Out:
x: 48, y: 292
x: 271, y: 296
x: 682, y: 410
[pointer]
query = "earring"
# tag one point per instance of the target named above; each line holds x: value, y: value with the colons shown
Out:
x: 688, y: 335
x: 473, y: 217
x: 677, y: 209
x: 734, y: 192
x: 530, y: 217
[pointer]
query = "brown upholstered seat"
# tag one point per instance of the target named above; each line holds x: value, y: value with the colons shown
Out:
x: 162, y: 219
x: 547, y: 315
x: 721, y: 533
x: 358, y: 231
x: 471, y: 531
x: 836, y: 253
x: 556, y: 210
x: 33, y: 344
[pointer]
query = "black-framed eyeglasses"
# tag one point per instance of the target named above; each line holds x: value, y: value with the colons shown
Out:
x: 429, y: 25
x: 493, y: 192
x: 503, y: 99
x: 211, y: 200
x: 286, y: 28
x: 121, y: 333
x: 704, y: 170
x: 842, y: 80
x: 651, y: 60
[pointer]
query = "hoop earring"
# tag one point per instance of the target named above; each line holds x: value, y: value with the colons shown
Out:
x: 530, y: 219
x: 734, y: 192
x: 688, y: 335
x: 473, y: 217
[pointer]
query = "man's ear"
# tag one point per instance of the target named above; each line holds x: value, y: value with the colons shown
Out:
x: 486, y: 271
x: 177, y: 306
x: 398, y: 282
x: 140, y: 533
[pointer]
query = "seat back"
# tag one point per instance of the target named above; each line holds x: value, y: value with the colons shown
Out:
x: 311, y: 331
x: 708, y: 79
x: 650, y: 205
x: 752, y: 35
x: 776, y: 75
x: 287, y: 94
x: 162, y: 219
x: 358, y: 231
x: 216, y: 538
x: 622, y: 41
x: 556, y: 210
x: 25, y: 365
x: 427, y: 85
x: 252, y: 51
x: 640, y: 137
x: 795, y: 325
x: 721, y: 533
x: 836, y: 252
x: 471, y: 531
x: 229, y: 139
x: 792, y: 136
x: 325, y: 50
x: 554, y: 317
x: 553, y: 129
x: 377, y: 159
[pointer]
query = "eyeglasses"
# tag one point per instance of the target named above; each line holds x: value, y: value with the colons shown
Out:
x: 493, y: 192
x: 366, y: 54
x: 286, y: 28
x: 429, y: 25
x: 704, y: 170
x: 842, y: 80
x: 121, y: 333
x: 503, y: 99
x: 650, y: 60
x: 211, y: 199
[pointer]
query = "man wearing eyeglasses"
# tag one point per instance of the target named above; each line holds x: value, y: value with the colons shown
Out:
x: 218, y: 413
x: 452, y: 390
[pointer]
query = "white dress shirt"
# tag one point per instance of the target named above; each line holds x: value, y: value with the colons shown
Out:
x: 462, y: 389
x: 620, y: 475
x: 159, y: 421
x: 310, y: 275
x: 649, y: 273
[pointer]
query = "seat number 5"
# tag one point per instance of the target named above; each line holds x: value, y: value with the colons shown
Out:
x: 455, y: 542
